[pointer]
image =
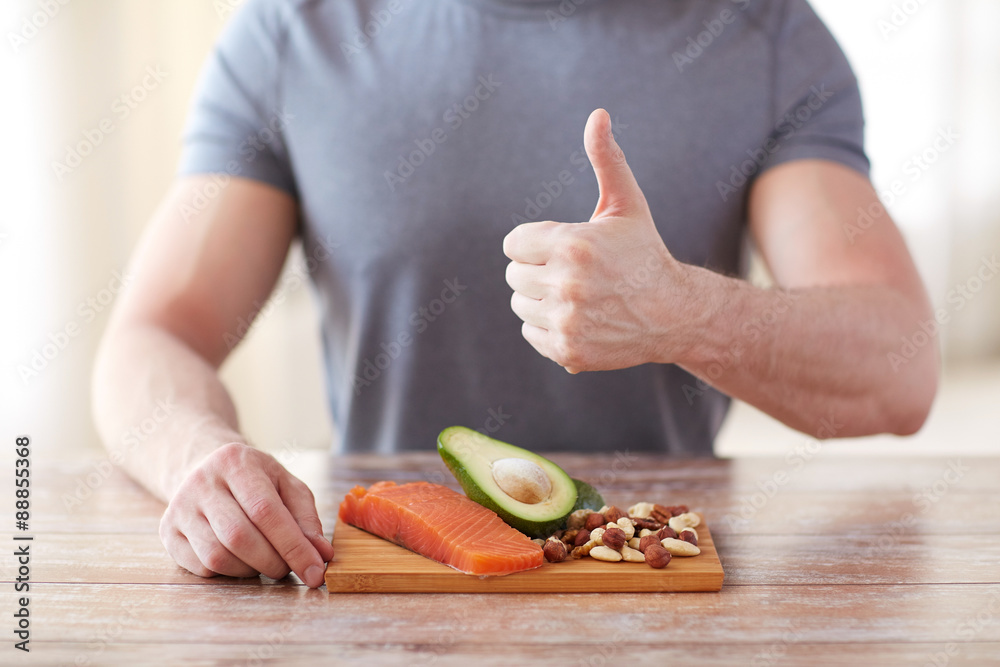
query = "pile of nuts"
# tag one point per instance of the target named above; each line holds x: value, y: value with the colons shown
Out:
x: 647, y: 533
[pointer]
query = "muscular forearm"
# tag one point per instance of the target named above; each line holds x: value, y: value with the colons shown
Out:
x: 159, y: 407
x: 815, y: 358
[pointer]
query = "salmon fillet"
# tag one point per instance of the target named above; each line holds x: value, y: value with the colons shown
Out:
x: 442, y: 525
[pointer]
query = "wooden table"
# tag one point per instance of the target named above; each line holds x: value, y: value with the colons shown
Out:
x: 828, y: 561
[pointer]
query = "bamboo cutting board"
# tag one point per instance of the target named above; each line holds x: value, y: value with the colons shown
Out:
x: 364, y: 563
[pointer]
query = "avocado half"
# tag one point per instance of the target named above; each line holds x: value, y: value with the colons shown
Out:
x: 546, y: 495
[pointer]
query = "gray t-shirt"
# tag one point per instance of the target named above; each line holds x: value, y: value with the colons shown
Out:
x: 416, y: 135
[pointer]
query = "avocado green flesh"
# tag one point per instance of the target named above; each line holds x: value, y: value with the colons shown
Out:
x: 470, y: 454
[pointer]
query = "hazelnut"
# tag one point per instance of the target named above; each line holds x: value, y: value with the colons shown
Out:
x: 657, y: 557
x: 647, y: 541
x: 555, y: 551
x: 614, y: 538
x: 613, y: 514
x: 594, y: 520
x: 666, y: 532
x: 582, y: 537
x: 688, y: 535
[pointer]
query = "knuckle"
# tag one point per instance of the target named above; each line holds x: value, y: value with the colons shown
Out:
x: 234, y: 536
x: 298, y: 487
x: 618, y: 155
x: 297, y: 484
x: 261, y: 511
x: 308, y: 494
x: 296, y: 551
x: 230, y: 455
x: 217, y: 559
x: 566, y: 324
x: 572, y: 291
x: 578, y: 251
x: 566, y: 351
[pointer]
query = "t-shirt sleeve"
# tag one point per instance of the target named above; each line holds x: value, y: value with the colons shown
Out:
x: 817, y: 104
x: 236, y: 123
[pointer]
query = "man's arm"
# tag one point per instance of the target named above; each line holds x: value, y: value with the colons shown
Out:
x: 232, y: 509
x: 811, y: 352
x: 843, y: 304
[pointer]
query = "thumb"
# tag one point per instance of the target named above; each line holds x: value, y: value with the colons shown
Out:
x: 620, y: 194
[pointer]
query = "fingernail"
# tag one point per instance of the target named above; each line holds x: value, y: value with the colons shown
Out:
x: 314, y: 576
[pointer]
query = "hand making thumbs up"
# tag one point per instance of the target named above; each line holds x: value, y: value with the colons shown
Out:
x: 597, y: 295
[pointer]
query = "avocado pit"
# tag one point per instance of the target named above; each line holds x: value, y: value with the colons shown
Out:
x: 522, y: 480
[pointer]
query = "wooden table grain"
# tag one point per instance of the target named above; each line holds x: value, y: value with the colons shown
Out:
x: 828, y: 561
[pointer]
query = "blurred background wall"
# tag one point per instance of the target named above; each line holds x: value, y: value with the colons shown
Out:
x: 118, y: 75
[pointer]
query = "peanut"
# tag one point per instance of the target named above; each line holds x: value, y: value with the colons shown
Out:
x: 605, y: 554
x: 679, y: 547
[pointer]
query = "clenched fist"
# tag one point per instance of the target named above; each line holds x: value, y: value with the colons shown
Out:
x: 603, y: 294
